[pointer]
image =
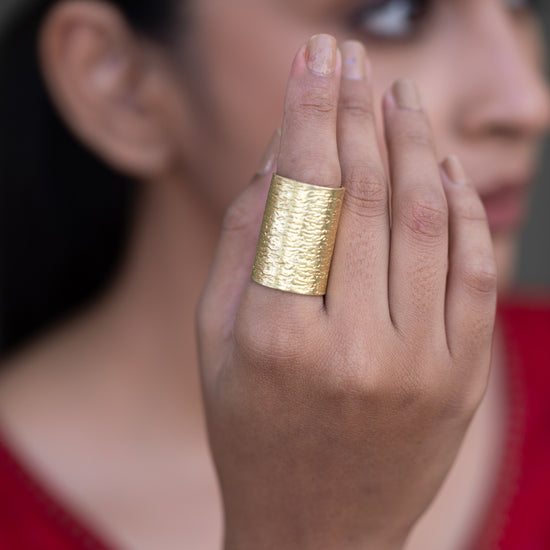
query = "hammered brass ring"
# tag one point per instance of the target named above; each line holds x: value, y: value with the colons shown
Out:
x: 297, y: 237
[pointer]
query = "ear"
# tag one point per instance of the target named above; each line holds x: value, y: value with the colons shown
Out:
x: 109, y: 86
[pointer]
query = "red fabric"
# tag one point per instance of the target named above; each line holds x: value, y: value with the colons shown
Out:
x: 30, y: 519
x: 519, y: 518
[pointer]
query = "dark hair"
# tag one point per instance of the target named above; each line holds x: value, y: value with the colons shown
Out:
x: 64, y: 215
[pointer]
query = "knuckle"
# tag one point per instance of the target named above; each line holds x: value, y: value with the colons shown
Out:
x: 316, y: 105
x: 350, y: 388
x: 414, y: 394
x: 357, y: 109
x: 480, y: 275
x: 417, y: 134
x: 362, y: 378
x: 471, y: 209
x: 366, y: 195
x: 419, y: 138
x: 419, y: 394
x: 268, y: 340
x: 425, y: 216
x: 348, y: 377
x: 236, y: 218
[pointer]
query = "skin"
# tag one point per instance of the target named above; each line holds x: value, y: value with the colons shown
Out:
x: 183, y: 121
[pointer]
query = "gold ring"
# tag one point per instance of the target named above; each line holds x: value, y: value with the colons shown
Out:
x: 297, y: 236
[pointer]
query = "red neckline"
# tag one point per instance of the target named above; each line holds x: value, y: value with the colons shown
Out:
x: 48, y: 504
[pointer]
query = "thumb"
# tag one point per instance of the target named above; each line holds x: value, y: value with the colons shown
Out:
x: 232, y: 265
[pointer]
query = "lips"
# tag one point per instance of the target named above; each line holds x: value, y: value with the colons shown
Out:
x: 506, y: 205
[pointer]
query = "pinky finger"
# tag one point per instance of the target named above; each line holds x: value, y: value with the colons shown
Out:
x: 471, y: 285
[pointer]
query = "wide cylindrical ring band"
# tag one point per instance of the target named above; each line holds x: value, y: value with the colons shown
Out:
x: 297, y: 236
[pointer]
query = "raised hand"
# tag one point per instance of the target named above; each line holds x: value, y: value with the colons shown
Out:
x: 333, y: 420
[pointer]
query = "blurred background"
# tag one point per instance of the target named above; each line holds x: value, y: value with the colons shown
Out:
x: 534, y: 264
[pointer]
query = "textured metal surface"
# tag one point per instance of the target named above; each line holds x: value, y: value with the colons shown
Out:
x: 297, y: 236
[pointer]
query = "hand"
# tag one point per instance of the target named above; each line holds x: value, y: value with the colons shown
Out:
x: 333, y: 421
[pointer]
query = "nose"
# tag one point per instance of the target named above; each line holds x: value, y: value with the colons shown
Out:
x: 507, y: 93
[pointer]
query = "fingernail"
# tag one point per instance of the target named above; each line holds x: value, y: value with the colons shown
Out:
x: 353, y: 60
x: 267, y: 164
x: 321, y: 54
x: 454, y: 169
x: 406, y: 95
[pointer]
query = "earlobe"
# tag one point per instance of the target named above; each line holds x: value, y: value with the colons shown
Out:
x: 105, y: 87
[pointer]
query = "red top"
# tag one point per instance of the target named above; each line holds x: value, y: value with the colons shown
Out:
x: 519, y: 519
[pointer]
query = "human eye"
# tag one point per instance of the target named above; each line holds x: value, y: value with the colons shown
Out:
x: 391, y: 18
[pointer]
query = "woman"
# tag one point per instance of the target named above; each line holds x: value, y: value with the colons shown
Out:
x: 332, y: 422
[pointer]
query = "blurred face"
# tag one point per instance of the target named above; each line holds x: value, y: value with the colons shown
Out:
x: 478, y: 64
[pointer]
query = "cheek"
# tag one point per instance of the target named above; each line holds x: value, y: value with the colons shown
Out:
x: 243, y: 71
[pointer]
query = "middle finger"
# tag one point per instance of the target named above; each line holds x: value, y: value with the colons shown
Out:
x: 359, y: 274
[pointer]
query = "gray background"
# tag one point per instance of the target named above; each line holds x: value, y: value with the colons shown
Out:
x: 534, y: 261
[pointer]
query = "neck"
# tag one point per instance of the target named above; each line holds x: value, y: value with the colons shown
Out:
x: 130, y: 359
x: 147, y: 317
